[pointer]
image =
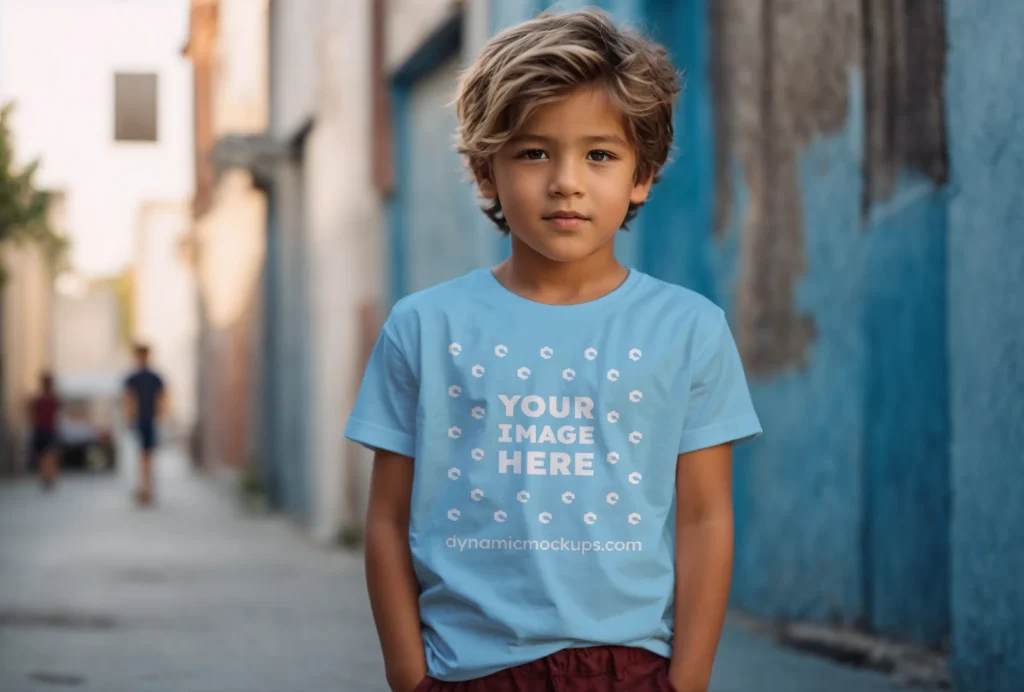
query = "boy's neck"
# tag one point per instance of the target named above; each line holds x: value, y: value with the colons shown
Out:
x: 535, y: 277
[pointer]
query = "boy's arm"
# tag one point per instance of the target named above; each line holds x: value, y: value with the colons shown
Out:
x: 704, y: 552
x: 394, y: 591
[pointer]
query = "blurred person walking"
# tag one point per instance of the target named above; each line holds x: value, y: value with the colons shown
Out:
x: 43, y: 411
x: 144, y: 404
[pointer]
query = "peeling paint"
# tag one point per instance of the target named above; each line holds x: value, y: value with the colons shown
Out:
x: 904, y: 70
x: 787, y: 64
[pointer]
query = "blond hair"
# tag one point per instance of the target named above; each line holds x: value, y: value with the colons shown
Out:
x: 544, y: 59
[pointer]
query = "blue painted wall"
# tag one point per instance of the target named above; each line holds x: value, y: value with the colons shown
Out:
x: 286, y: 348
x: 436, y: 231
x: 843, y: 506
x: 907, y: 491
x: 986, y: 341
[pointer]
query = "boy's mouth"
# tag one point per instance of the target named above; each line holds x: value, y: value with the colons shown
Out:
x: 567, y: 220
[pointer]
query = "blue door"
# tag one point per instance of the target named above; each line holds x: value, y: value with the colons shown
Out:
x: 287, y: 347
x: 437, y: 231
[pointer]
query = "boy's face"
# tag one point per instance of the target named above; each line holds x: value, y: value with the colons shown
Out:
x: 566, y: 180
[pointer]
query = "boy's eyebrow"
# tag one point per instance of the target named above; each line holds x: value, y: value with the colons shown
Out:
x: 590, y: 139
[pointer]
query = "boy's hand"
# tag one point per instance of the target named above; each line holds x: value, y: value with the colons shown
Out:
x: 682, y: 681
x: 704, y: 548
x: 391, y: 581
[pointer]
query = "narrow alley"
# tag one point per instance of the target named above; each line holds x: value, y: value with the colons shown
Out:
x: 197, y: 596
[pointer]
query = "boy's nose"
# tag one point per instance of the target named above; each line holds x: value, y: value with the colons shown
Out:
x: 566, y: 180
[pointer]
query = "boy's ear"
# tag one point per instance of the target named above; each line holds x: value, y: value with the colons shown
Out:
x: 641, y: 189
x: 485, y: 181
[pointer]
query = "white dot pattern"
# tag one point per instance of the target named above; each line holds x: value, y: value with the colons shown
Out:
x: 524, y: 373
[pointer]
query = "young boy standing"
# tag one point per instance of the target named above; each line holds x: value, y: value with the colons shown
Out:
x: 550, y: 504
x: 145, y: 400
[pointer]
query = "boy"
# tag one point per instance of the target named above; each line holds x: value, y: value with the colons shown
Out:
x: 144, y: 402
x: 550, y: 503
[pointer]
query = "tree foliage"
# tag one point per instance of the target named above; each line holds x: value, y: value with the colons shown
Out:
x: 24, y: 208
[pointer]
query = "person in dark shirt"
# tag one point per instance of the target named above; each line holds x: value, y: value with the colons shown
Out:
x: 43, y: 411
x: 144, y: 399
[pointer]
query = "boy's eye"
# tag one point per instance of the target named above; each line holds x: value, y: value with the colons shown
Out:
x: 531, y: 154
x: 600, y: 155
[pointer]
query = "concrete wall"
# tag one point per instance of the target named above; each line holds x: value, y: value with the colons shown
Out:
x: 448, y: 241
x: 88, y: 329
x: 67, y: 53
x: 240, y: 105
x: 293, y: 64
x: 323, y: 250
x: 344, y: 227
x: 288, y: 337
x: 231, y: 55
x: 27, y: 347
x: 986, y: 337
x: 165, y: 306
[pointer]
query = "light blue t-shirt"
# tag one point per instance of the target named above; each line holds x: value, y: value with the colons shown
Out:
x: 545, y: 440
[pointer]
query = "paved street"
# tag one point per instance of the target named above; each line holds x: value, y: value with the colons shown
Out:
x: 195, y: 596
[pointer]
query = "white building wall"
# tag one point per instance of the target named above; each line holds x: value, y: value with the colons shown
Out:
x: 232, y: 233
x: 293, y: 62
x: 87, y: 330
x: 231, y: 242
x: 321, y: 72
x: 57, y: 61
x: 344, y: 228
x: 240, y: 102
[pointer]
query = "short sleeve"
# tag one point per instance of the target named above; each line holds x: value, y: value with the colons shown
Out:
x: 384, y: 415
x: 719, y: 408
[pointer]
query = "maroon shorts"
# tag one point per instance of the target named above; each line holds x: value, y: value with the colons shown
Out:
x: 596, y: 669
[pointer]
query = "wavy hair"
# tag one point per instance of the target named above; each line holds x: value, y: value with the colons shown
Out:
x: 541, y: 61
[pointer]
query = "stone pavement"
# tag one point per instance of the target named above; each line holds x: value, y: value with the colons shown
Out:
x: 195, y: 596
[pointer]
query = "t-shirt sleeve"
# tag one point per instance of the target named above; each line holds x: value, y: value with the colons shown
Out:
x: 719, y: 408
x: 384, y: 415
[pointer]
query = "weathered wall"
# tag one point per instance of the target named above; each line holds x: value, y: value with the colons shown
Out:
x: 986, y: 337
x: 229, y: 50
x: 293, y: 62
x: 446, y: 242
x: 838, y: 307
x: 344, y: 223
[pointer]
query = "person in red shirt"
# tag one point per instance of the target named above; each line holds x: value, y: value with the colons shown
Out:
x: 43, y: 415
